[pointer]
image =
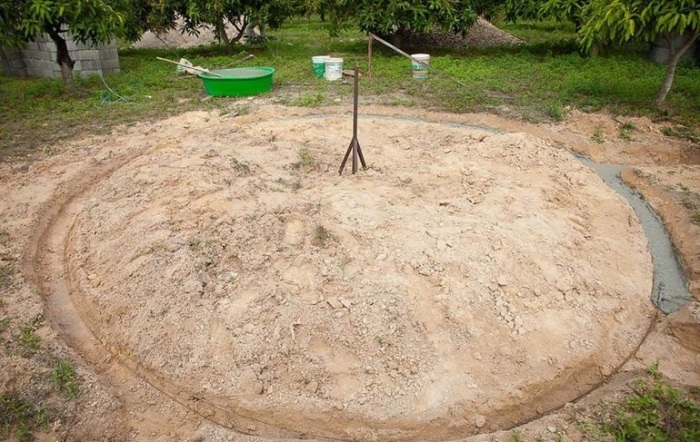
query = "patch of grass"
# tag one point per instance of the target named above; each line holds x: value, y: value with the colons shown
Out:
x: 533, y: 81
x: 598, y: 135
x: 555, y: 111
x: 695, y: 218
x: 19, y: 417
x: 515, y: 436
x: 682, y: 132
x: 534, y: 31
x: 243, y: 110
x: 6, y: 272
x: 306, y: 158
x: 309, y: 100
x: 626, y: 130
x: 65, y: 379
x: 401, y: 101
x: 5, y: 324
x: 29, y: 339
x: 653, y: 411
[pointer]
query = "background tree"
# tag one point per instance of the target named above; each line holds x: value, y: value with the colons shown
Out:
x: 228, y: 18
x: 561, y: 10
x: 86, y: 21
x: 388, y: 17
x: 622, y: 21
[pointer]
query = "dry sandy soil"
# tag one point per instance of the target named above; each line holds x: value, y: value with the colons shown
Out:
x: 216, y: 279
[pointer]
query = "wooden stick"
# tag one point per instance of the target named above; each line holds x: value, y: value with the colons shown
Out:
x: 213, y: 74
x: 390, y: 46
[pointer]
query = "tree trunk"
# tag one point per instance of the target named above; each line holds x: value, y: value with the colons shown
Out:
x: 62, y: 56
x: 221, y: 30
x: 673, y: 59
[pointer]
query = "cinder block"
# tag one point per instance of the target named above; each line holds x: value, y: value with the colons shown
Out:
x: 39, y: 58
x: 86, y: 65
x: 18, y: 64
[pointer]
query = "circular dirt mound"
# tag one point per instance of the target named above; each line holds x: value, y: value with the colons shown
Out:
x: 466, y: 281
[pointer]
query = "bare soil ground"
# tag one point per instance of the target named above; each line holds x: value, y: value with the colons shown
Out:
x: 214, y: 276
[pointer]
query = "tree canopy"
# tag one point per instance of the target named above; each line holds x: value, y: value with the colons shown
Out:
x: 86, y: 21
x: 228, y: 18
x: 388, y: 16
x: 622, y: 21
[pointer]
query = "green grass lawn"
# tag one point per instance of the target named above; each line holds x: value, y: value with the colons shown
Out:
x: 534, y: 82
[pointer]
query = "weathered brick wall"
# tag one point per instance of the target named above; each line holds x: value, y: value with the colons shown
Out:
x: 38, y: 59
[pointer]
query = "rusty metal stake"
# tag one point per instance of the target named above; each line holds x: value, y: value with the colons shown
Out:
x: 354, y: 146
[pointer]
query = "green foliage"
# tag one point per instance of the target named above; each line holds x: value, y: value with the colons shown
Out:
x: 621, y: 21
x: 19, y: 417
x: 6, y: 272
x: 160, y: 15
x: 385, y: 17
x: 555, y: 111
x: 598, y: 135
x: 626, y: 131
x: 683, y: 132
x: 306, y: 158
x: 515, y: 436
x: 5, y: 323
x: 517, y: 82
x: 86, y: 21
x: 560, y: 10
x: 655, y: 411
x: 64, y: 378
x: 29, y: 339
x: 93, y: 21
x: 602, y: 22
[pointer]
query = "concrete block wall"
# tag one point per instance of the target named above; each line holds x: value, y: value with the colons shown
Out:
x: 38, y: 59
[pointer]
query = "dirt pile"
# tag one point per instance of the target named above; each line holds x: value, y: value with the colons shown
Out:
x: 466, y: 281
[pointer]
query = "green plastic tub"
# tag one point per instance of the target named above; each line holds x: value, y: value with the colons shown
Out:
x: 238, y: 82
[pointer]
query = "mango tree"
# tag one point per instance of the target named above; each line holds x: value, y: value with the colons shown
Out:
x: 561, y: 10
x: 622, y: 21
x: 228, y: 18
x: 387, y: 17
x: 85, y: 21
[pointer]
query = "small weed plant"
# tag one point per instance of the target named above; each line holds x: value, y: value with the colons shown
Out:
x: 598, y: 135
x: 682, y: 132
x: 19, y: 417
x: 626, y: 131
x: 654, y: 411
x: 29, y: 339
x: 306, y: 158
x: 6, y: 273
x: 65, y: 379
x: 555, y: 111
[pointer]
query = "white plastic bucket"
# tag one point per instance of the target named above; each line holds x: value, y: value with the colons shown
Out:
x: 318, y: 65
x: 419, y: 69
x: 334, y: 69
